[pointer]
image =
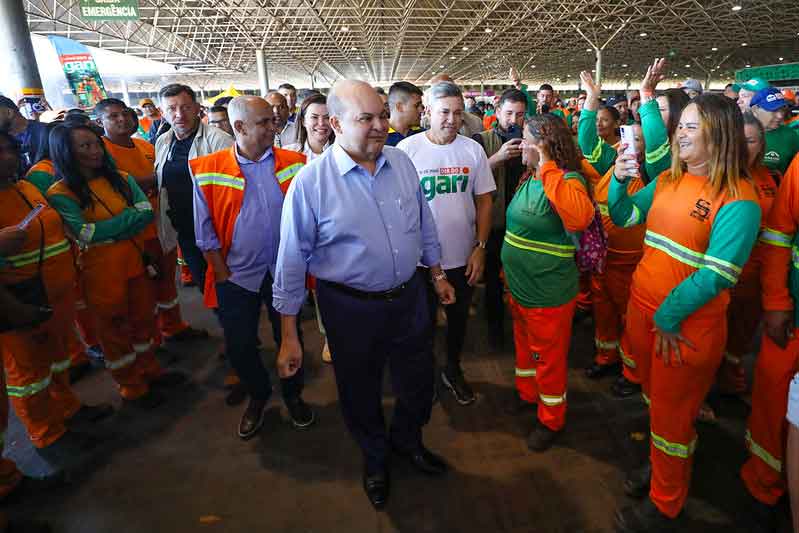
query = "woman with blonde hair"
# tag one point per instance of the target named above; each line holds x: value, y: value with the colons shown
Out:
x: 702, y: 219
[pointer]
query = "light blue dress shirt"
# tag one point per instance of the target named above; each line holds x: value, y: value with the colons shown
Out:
x: 345, y: 225
x: 253, y: 252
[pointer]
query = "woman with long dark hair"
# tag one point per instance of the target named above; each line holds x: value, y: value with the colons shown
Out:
x: 41, y: 274
x: 702, y: 219
x: 106, y: 211
x: 315, y: 134
x: 538, y: 258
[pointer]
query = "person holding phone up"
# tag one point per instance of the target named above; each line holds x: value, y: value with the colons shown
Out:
x: 502, y: 145
x: 41, y: 276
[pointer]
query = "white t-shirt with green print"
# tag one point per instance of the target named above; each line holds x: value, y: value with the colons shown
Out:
x: 451, y: 176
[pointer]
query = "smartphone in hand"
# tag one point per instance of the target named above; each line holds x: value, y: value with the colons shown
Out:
x: 628, y: 138
x: 30, y: 216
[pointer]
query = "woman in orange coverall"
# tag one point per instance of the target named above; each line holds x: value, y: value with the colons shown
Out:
x: 702, y: 219
x: 745, y: 308
x: 106, y: 211
x: 610, y: 290
x: 538, y: 260
x: 42, y: 175
x: 40, y: 394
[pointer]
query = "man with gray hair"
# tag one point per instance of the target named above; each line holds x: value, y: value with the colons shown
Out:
x: 238, y: 229
x: 356, y: 219
x: 457, y: 182
x: 471, y: 124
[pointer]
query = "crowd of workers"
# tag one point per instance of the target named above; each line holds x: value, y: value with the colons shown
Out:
x: 680, y: 239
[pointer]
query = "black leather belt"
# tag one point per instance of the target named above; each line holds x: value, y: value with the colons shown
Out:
x: 390, y: 294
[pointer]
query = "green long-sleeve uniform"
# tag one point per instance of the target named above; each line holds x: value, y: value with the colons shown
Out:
x: 656, y: 139
x: 687, y: 277
x: 600, y: 154
x: 120, y: 227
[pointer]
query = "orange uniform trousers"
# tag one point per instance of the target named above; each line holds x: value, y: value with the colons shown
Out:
x: 767, y: 431
x: 168, y: 318
x: 584, y: 296
x: 542, y: 336
x: 674, y: 395
x: 743, y: 315
x: 36, y: 361
x: 10, y: 476
x: 123, y: 313
x: 185, y: 273
x: 610, y: 292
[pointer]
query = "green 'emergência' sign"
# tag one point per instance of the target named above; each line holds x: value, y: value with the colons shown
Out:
x: 109, y: 9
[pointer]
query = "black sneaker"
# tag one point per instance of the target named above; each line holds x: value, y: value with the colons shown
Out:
x: 643, y: 517
x: 637, y: 483
x: 453, y: 380
x: 541, y: 438
x: 516, y: 405
x: 302, y: 416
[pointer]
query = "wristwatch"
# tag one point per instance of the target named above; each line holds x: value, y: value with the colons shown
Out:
x: 439, y: 277
x: 481, y: 244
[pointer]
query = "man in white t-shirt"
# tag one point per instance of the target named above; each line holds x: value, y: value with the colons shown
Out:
x: 456, y: 179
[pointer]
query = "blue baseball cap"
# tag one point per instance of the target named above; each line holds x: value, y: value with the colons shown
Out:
x: 770, y: 99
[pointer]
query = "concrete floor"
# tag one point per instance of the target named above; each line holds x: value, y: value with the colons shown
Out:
x: 183, y: 469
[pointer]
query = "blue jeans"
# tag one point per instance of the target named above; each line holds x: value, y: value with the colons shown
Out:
x: 240, y: 313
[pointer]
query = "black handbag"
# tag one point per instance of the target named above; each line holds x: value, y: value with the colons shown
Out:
x: 30, y: 291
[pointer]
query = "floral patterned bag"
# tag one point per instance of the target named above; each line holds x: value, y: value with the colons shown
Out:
x: 592, y: 243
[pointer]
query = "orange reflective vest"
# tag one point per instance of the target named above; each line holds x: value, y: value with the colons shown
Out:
x: 222, y: 183
x: 58, y: 260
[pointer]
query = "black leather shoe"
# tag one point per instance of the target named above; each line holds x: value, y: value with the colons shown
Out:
x: 301, y: 414
x: 189, y: 334
x: 623, y: 388
x: 597, y: 371
x: 376, y: 486
x: 454, y: 382
x: 237, y: 394
x: 252, y: 419
x: 643, y: 517
x: 424, y: 461
x: 637, y: 483
x: 541, y: 438
x: 168, y: 380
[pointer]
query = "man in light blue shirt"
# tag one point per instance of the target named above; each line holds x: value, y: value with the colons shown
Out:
x: 356, y: 219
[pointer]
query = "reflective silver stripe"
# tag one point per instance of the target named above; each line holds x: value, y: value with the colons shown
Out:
x: 225, y: 180
x: 28, y: 390
x: 167, y: 305
x: 776, y: 238
x: 143, y: 206
x: 86, y: 232
x: 734, y: 359
x: 606, y: 345
x: 674, y: 449
x: 635, y: 218
x: 60, y: 366
x: 552, y: 401
x: 122, y: 362
x: 143, y: 347
x: 525, y: 372
x: 762, y: 454
x: 692, y: 258
x: 646, y: 399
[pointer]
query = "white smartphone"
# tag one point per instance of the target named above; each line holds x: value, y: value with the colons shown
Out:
x: 30, y: 216
x: 628, y: 138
